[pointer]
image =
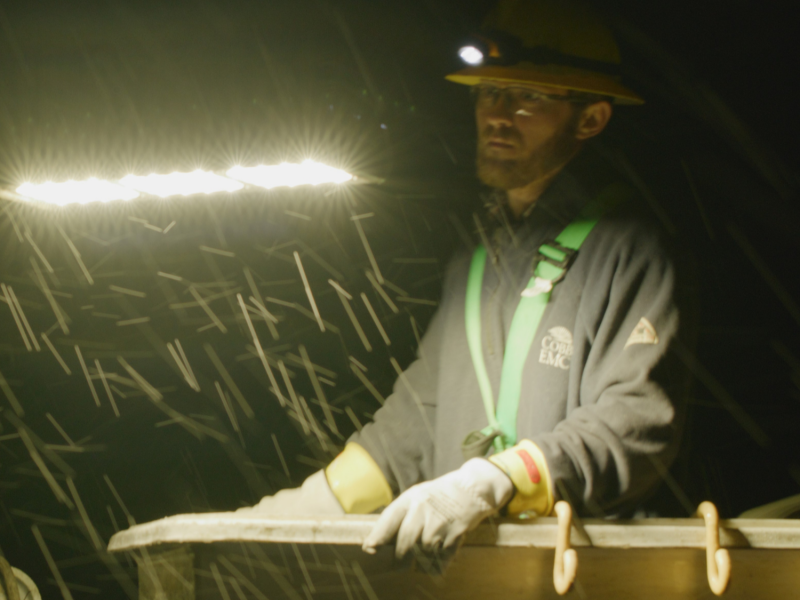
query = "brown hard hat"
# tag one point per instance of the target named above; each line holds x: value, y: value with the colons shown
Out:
x: 556, y: 43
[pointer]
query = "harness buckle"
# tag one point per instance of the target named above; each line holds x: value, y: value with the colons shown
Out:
x: 540, y: 286
x: 563, y: 263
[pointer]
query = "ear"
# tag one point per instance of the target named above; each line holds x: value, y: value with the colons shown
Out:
x: 593, y: 120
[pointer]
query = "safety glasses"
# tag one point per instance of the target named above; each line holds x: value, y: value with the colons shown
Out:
x: 487, y: 96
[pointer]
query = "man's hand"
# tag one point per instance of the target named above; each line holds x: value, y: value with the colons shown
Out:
x: 438, y: 512
x: 313, y: 498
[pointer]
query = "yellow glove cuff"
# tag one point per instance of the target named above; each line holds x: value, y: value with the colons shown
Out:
x: 527, y: 468
x: 357, y: 481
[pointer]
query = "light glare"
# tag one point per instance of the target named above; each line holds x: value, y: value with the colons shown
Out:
x: 471, y: 55
x: 308, y: 172
x: 181, y: 184
x: 289, y: 174
x: 76, y: 192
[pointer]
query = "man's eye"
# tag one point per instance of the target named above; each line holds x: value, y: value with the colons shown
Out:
x: 530, y: 97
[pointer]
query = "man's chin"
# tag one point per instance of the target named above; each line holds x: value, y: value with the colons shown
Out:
x: 501, y: 174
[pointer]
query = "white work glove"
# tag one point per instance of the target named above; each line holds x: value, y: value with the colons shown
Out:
x: 438, y: 512
x: 313, y: 498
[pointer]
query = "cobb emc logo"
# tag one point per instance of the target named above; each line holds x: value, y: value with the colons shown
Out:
x: 556, y: 348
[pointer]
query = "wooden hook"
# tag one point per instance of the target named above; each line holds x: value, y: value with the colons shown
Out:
x: 718, y: 561
x: 566, y: 563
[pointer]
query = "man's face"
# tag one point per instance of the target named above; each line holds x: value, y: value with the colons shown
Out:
x: 522, y: 139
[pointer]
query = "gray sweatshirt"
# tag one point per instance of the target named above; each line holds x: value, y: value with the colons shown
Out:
x: 601, y: 396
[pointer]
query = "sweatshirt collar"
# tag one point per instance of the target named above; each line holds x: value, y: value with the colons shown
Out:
x: 561, y: 202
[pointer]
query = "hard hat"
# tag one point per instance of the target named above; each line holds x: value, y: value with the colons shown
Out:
x: 556, y: 43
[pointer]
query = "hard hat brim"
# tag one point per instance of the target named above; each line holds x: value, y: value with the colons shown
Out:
x: 553, y: 76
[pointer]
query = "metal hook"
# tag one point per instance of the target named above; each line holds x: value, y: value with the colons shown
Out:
x: 718, y: 561
x: 566, y: 563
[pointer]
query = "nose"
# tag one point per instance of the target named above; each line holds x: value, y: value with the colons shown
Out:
x: 498, y: 115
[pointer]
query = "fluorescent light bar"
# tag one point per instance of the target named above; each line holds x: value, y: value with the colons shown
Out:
x: 76, y: 192
x: 289, y: 174
x: 181, y: 184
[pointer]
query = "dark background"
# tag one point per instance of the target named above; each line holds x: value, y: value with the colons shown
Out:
x: 108, y: 88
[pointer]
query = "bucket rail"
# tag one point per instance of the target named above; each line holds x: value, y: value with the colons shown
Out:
x: 184, y: 557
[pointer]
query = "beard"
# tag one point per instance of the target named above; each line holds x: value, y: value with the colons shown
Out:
x: 511, y: 174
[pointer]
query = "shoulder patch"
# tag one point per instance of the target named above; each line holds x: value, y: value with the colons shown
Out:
x: 643, y: 333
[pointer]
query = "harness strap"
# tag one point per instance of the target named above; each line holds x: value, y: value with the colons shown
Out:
x: 473, y: 321
x: 552, y: 262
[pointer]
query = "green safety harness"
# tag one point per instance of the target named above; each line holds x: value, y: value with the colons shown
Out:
x: 551, y: 262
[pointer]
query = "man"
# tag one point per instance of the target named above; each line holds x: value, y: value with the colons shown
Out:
x: 550, y: 349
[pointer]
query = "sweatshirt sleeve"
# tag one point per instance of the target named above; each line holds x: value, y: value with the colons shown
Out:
x: 624, y: 432
x: 401, y: 436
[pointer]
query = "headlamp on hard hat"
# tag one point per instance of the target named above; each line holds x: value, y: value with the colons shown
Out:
x: 472, y: 55
x: 501, y: 49
x: 483, y: 50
